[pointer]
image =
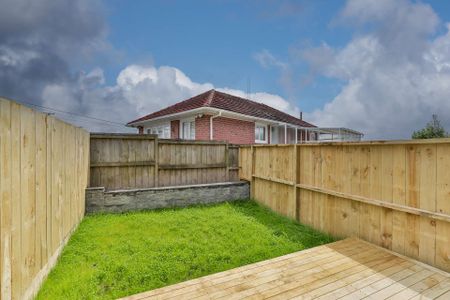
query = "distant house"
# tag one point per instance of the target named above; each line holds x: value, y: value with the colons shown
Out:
x: 214, y: 115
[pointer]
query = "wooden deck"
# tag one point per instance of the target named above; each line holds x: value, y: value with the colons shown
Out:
x: 348, y: 269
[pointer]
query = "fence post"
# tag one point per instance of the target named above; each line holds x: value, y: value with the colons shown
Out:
x: 252, y: 180
x: 296, y: 181
x: 227, y: 162
x: 156, y: 184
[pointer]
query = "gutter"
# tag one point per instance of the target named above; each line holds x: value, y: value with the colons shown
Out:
x: 209, y: 110
x: 196, y: 110
x: 211, y: 124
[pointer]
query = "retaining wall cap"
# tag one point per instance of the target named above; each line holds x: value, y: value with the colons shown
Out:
x: 177, y: 187
x: 95, y: 189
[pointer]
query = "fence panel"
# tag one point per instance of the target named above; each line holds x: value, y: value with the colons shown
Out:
x: 43, y: 175
x: 123, y: 161
x: 393, y: 194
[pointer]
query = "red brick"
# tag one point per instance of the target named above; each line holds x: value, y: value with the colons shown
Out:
x: 175, y: 129
x: 234, y: 131
x: 202, y: 128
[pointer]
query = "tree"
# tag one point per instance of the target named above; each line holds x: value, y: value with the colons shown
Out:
x: 433, y: 130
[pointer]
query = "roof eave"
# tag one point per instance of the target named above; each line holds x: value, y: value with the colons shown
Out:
x: 213, y: 110
x: 170, y: 116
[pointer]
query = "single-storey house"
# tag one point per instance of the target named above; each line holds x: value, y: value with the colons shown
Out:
x: 214, y: 115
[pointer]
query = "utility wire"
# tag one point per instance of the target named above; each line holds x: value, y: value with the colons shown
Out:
x: 75, y: 114
x: 85, y: 123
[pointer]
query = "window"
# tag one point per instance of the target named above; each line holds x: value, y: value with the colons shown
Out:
x: 188, y: 129
x: 163, y: 131
x: 260, y: 133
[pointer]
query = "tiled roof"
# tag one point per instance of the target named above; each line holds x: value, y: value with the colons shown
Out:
x: 219, y: 100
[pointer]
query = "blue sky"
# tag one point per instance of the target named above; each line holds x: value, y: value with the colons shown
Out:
x: 215, y: 41
x: 378, y: 66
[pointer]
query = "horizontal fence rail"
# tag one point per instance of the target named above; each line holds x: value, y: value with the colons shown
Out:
x: 124, y: 161
x: 44, y: 166
x: 392, y: 194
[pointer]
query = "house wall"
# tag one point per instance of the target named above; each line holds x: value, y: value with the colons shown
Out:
x: 234, y: 131
x: 175, y: 129
x: 202, y: 128
x: 224, y: 129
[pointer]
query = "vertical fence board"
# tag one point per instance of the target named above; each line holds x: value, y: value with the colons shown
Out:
x: 386, y: 215
x: 41, y: 190
x: 5, y: 199
x: 443, y: 206
x: 427, y: 201
x: 16, y: 216
x: 28, y: 193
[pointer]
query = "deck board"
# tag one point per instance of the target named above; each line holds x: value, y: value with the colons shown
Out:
x: 348, y: 269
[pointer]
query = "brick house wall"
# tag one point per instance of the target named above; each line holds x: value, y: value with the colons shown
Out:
x: 234, y: 131
x: 225, y: 129
x: 175, y: 129
x: 202, y: 128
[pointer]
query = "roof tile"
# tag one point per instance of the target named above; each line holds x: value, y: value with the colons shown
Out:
x: 216, y: 99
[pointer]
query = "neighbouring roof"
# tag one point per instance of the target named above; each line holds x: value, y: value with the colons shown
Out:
x: 219, y: 100
x: 339, y: 130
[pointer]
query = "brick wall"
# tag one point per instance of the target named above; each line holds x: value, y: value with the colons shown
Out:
x: 233, y: 131
x: 202, y: 128
x: 225, y: 129
x: 175, y: 129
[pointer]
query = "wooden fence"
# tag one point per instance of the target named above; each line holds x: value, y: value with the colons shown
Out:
x: 393, y: 194
x: 123, y: 161
x: 43, y: 176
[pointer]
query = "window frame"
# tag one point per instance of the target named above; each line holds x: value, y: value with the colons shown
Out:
x: 260, y: 125
x: 162, y: 127
x: 190, y: 121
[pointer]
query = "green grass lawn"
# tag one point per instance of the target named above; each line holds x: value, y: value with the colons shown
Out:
x: 115, y: 255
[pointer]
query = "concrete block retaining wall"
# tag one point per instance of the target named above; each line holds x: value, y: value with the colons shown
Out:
x: 99, y: 200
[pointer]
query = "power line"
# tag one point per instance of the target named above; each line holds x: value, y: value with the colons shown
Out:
x: 86, y: 123
x: 72, y: 113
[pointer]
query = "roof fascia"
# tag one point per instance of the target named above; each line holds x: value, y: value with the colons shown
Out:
x: 171, y: 116
x: 212, y: 110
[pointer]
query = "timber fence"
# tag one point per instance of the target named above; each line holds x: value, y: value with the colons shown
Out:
x: 43, y: 175
x: 392, y: 194
x: 128, y: 161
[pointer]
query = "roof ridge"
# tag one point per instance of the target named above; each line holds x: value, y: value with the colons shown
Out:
x: 210, y: 97
x: 273, y: 109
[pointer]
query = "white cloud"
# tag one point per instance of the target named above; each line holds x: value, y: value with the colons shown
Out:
x: 267, y: 60
x: 396, y: 73
x: 139, y: 90
x: 275, y: 101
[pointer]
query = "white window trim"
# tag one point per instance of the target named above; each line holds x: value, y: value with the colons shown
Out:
x: 159, y: 125
x: 266, y: 135
x: 181, y: 133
